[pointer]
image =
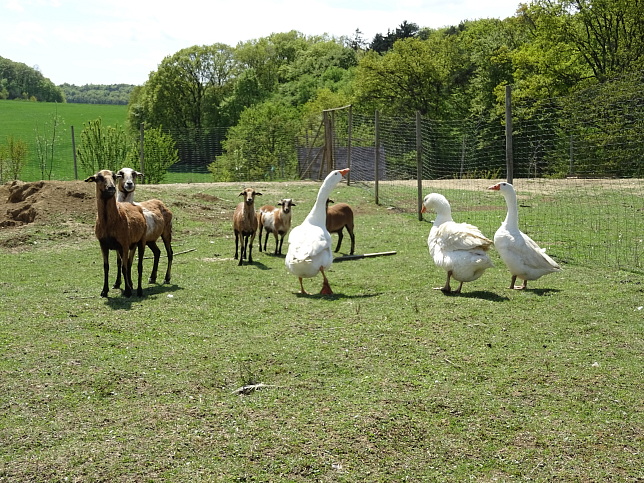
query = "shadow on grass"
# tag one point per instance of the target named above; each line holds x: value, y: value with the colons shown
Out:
x: 335, y: 296
x: 481, y: 294
x: 122, y: 302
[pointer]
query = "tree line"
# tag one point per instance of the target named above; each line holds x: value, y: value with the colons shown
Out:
x: 270, y: 90
x: 97, y: 93
x: 19, y: 81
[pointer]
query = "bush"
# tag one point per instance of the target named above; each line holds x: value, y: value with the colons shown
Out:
x: 13, y: 156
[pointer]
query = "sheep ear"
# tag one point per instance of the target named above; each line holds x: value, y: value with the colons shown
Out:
x: 91, y: 179
x: 242, y: 193
x: 258, y: 194
x: 280, y: 204
x: 136, y: 173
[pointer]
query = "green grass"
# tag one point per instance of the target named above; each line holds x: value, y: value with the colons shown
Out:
x: 384, y: 381
x: 21, y: 120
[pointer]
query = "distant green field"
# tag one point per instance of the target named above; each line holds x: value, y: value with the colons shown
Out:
x: 24, y: 120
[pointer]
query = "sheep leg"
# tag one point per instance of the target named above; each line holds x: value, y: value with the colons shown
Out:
x: 250, y: 247
x: 277, y: 245
x: 170, y: 254
x: 106, y: 269
x: 260, y: 237
x: 353, y: 241
x: 279, y: 252
x: 340, y: 236
x: 117, y: 283
x: 126, y: 266
x: 155, y: 265
x: 141, y: 245
x: 243, y: 241
x: 237, y: 235
x: 326, y: 288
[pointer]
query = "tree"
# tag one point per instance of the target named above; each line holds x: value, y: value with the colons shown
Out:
x: 383, y: 43
x: 260, y: 146
x: 13, y: 156
x: 607, y: 36
x: 105, y: 147
x: 413, y: 76
x: 19, y: 81
x: 185, y: 92
x: 159, y: 154
x: 46, y: 141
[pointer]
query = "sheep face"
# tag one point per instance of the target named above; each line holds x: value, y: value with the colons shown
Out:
x: 249, y: 195
x: 286, y: 205
x: 127, y: 180
x: 105, y: 183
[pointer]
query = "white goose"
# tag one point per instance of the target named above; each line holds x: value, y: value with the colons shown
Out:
x: 518, y: 251
x: 309, y: 244
x: 458, y: 248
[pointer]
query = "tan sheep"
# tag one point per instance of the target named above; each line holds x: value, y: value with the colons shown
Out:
x: 157, y: 217
x: 338, y: 217
x: 120, y: 227
x: 276, y: 221
x: 245, y: 225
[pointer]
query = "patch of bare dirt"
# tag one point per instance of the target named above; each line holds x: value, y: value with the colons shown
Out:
x: 41, y: 201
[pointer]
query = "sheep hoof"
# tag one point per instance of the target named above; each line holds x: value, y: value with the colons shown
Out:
x: 104, y: 294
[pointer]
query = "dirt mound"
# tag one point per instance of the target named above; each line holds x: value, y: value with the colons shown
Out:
x: 38, y: 202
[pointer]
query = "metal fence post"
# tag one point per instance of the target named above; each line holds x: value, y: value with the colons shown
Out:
x: 509, y: 162
x: 377, y: 171
x: 419, y: 164
x: 74, y: 154
x: 141, y: 146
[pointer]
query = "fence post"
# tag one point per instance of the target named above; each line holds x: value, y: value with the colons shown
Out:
x: 74, y: 153
x: 141, y: 146
x: 377, y: 171
x: 419, y: 164
x: 509, y: 163
x: 572, y: 157
x: 350, y: 122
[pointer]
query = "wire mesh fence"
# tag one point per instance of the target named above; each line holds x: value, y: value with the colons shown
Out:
x: 581, y: 211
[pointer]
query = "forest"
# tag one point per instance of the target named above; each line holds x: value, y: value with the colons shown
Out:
x: 268, y: 91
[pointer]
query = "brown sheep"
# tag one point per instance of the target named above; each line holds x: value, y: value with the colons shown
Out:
x: 157, y: 217
x: 276, y: 221
x: 120, y: 227
x: 245, y: 225
x: 337, y: 218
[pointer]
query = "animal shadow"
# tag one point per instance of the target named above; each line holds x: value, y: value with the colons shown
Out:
x: 481, y: 294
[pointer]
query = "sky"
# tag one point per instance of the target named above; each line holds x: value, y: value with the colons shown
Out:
x: 121, y: 41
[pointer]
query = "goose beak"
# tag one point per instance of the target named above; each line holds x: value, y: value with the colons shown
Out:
x: 423, y: 209
x: 344, y: 171
x: 495, y: 187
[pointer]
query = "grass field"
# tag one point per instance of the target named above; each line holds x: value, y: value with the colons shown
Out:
x: 24, y: 120
x: 387, y: 380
